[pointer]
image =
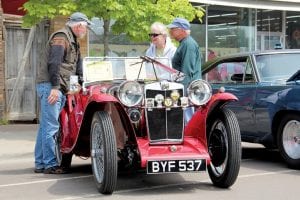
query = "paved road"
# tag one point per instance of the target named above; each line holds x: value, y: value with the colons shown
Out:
x: 263, y: 175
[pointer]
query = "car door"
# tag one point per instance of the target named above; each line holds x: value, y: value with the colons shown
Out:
x: 237, y: 76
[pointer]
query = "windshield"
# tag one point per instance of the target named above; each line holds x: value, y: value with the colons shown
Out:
x: 127, y: 68
x: 277, y: 66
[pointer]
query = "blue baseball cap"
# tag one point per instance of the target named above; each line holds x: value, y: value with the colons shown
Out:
x: 180, y: 23
x: 79, y: 17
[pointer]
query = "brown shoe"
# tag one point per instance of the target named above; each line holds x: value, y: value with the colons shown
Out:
x: 54, y: 170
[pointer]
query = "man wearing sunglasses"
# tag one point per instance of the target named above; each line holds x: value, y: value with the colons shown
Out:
x: 161, y: 45
x: 187, y: 58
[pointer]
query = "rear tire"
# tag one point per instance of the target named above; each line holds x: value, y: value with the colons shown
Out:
x: 224, y: 146
x: 288, y: 140
x: 104, y: 152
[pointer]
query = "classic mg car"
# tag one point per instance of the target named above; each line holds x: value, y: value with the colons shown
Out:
x: 130, y: 114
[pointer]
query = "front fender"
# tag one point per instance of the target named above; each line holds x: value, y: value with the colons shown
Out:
x: 196, y: 127
x: 98, y: 102
x: 219, y: 100
x: 102, y: 98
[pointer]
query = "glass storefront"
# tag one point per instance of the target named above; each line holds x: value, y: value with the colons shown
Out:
x: 269, y: 29
x: 224, y: 30
x: 292, y: 35
x: 229, y: 30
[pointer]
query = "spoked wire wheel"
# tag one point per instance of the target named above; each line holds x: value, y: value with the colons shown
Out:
x: 103, y: 152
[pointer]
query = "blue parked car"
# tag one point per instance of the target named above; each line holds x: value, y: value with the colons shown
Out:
x: 267, y: 85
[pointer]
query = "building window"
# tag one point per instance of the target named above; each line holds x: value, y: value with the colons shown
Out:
x: 269, y: 20
x: 292, y: 30
x: 230, y: 30
x: 269, y: 29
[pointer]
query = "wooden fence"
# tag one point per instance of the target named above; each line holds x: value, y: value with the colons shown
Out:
x: 23, y: 49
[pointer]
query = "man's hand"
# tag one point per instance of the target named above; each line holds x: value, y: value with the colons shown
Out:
x: 53, y: 97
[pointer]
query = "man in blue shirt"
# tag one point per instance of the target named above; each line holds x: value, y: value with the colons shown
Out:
x: 187, y: 57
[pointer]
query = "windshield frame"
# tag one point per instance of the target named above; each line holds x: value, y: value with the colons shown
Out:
x: 98, y: 69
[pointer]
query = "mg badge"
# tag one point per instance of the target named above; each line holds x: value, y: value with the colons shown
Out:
x: 164, y: 85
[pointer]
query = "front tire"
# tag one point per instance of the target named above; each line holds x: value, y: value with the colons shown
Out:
x: 288, y: 140
x: 224, y: 146
x: 104, y: 152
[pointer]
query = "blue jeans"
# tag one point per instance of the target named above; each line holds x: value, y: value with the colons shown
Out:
x: 44, y: 151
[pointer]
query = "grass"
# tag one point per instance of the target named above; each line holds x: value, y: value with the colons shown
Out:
x: 4, y: 122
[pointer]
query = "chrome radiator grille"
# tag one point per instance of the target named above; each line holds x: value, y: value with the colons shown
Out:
x: 165, y: 124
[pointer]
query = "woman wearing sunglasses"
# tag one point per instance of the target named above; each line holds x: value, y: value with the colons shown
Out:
x: 161, y: 45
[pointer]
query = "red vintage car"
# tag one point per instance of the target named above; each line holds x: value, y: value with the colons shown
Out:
x: 132, y: 113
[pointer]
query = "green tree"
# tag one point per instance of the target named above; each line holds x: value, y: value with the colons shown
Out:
x: 132, y: 17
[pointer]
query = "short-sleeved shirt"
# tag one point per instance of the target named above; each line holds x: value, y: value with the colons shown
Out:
x: 187, y: 59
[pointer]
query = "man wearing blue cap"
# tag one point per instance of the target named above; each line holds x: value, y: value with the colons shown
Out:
x: 61, y: 59
x: 187, y: 58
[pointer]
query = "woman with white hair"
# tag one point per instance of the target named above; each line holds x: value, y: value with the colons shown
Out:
x: 161, y: 45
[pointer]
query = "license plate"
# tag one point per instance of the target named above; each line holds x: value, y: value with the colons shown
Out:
x: 170, y: 166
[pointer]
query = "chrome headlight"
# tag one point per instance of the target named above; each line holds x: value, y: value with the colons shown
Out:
x: 199, y: 92
x: 130, y: 93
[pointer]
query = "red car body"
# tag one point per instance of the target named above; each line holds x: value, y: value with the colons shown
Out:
x: 210, y: 136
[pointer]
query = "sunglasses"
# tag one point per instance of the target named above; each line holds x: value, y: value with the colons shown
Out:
x: 154, y: 34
